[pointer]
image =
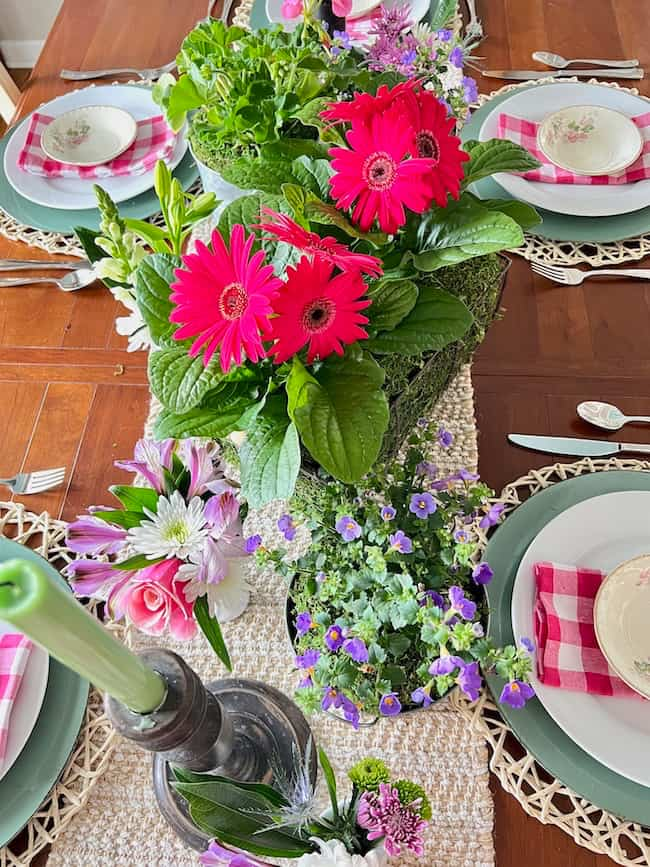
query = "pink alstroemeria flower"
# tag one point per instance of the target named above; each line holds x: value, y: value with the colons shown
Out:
x: 155, y: 601
x: 199, y: 460
x: 150, y: 458
x: 95, y: 580
x: 218, y: 856
x: 88, y: 535
x: 222, y: 515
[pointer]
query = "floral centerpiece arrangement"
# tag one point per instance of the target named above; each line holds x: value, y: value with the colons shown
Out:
x: 170, y: 556
x: 382, y: 817
x: 386, y: 605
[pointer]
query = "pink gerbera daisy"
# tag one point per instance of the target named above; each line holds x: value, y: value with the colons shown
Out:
x: 223, y: 299
x: 315, y: 308
x: 378, y: 173
x: 364, y: 105
x: 340, y: 255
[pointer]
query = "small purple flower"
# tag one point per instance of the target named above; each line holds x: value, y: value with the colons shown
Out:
x: 308, y: 659
x: 408, y: 57
x: 516, y: 693
x: 445, y: 438
x: 492, y: 516
x: 389, y: 704
x: 465, y: 607
x: 464, y: 475
x: 350, y: 711
x: 348, y: 528
x: 356, y: 649
x: 422, y: 505
x: 446, y: 665
x: 305, y: 682
x: 469, y: 680
x: 218, y: 856
x: 388, y: 513
x: 426, y: 468
x: 304, y: 622
x: 90, y: 535
x: 462, y: 536
x: 477, y: 629
x: 421, y: 696
x: 470, y: 90
x: 527, y: 644
x: 331, y: 698
x: 341, y: 42
x: 422, y: 423
x: 444, y: 35
x: 287, y: 527
x: 482, y: 573
x: 435, y: 598
x: 334, y: 637
x: 320, y: 577
x: 401, y: 542
x: 252, y: 544
x: 456, y: 57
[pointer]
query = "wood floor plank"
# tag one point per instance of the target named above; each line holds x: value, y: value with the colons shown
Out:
x: 20, y: 403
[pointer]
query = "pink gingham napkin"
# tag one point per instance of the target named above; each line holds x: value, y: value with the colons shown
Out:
x: 154, y: 141
x: 524, y: 133
x: 14, y: 653
x: 568, y: 655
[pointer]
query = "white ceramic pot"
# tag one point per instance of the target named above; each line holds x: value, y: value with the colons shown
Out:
x: 212, y: 182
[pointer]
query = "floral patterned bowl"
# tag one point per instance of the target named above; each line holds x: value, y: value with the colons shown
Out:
x: 621, y: 617
x: 89, y: 136
x: 589, y: 140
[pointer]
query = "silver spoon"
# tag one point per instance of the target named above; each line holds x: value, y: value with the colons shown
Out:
x: 78, y: 279
x: 559, y: 62
x: 605, y: 415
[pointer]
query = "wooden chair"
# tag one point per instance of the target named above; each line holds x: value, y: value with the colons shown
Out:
x: 9, y: 94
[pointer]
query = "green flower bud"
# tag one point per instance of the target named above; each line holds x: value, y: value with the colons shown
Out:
x: 368, y: 774
x: 108, y: 246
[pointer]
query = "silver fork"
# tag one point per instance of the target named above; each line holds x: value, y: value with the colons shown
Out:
x: 35, y: 483
x: 573, y: 276
x: 73, y: 280
x: 145, y: 74
x: 40, y: 265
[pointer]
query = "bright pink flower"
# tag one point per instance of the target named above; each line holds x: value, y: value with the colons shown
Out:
x: 378, y: 174
x: 287, y: 230
x: 291, y: 9
x: 223, y: 299
x: 383, y: 815
x: 89, y: 535
x: 316, y: 308
x: 363, y: 106
x: 342, y: 8
x: 155, y: 601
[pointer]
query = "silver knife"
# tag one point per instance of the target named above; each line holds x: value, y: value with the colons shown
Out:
x: 574, y: 446
x: 530, y: 74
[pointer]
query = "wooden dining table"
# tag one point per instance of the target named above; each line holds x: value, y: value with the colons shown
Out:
x: 74, y: 396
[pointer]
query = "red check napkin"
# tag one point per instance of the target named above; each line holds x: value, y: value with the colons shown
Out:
x: 14, y: 653
x: 154, y: 141
x: 568, y: 655
x: 524, y: 133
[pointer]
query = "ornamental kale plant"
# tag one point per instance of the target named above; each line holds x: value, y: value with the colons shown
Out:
x: 387, y: 602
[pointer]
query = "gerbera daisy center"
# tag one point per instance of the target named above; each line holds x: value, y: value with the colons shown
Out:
x: 317, y: 316
x: 233, y: 301
x: 427, y: 145
x: 379, y: 171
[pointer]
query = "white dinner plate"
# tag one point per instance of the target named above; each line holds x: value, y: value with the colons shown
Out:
x: 418, y: 9
x: 598, y: 533
x: 27, y: 705
x: 73, y: 193
x: 578, y: 200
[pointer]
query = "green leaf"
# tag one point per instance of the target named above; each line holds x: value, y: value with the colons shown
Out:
x: 392, y: 300
x: 521, y: 212
x: 329, y: 215
x: 442, y: 13
x: 270, y: 460
x: 177, y: 98
x: 153, y: 278
x: 179, y: 381
x: 247, y: 211
x: 342, y: 417
x: 437, y: 319
x: 330, y: 779
x: 135, y: 499
x: 210, y: 628
x: 288, y: 149
x: 183, y: 775
x: 313, y: 174
x: 200, y: 422
x: 138, y: 561
x: 298, y: 377
x: 123, y: 518
x: 496, y: 155
x: 258, y: 173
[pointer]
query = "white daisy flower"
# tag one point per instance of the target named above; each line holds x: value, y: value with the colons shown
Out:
x: 334, y: 854
x: 177, y: 529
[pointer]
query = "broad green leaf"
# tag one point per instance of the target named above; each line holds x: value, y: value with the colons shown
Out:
x: 496, y: 155
x: 183, y: 775
x: 247, y: 211
x: 177, y: 98
x: 329, y: 215
x: 135, y: 499
x: 295, y: 197
x: 442, y: 13
x: 298, y: 377
x: 180, y: 382
x: 342, y: 417
x: 521, y: 212
x: 437, y: 319
x: 121, y: 517
x: 313, y: 174
x: 213, y: 420
x: 330, y: 779
x: 212, y: 630
x: 266, y: 175
x: 288, y: 149
x: 270, y: 461
x: 154, y: 275
x: 138, y: 561
x: 392, y: 300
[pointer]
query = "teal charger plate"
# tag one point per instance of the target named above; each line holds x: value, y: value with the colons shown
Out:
x: 558, y: 227
x: 534, y: 727
x: 30, y: 779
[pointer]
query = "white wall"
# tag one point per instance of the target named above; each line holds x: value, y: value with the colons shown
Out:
x: 24, y: 24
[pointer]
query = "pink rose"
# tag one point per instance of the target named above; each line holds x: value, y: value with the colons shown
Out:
x: 155, y: 601
x: 291, y: 9
x: 341, y: 8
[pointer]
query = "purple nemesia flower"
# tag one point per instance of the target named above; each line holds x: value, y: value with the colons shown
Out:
x: 389, y: 704
x: 252, y: 544
x: 470, y: 90
x: 445, y: 665
x: 304, y: 622
x: 218, y: 856
x: 527, y: 644
x: 444, y: 35
x: 492, y: 516
x: 421, y: 696
x: 435, y: 598
x: 456, y: 57
x: 461, y: 536
x: 356, y: 649
x: 401, y: 542
x: 465, y: 607
x: 287, y: 527
x: 447, y: 106
x: 516, y: 693
x: 305, y: 682
x: 348, y: 528
x: 320, y: 577
x: 150, y: 459
x: 350, y: 711
x: 334, y: 637
x: 89, y: 535
x: 482, y: 573
x: 331, y: 698
x: 383, y: 815
x: 422, y: 423
x: 469, y: 680
x: 308, y: 659
x: 477, y: 629
x: 426, y: 468
x: 464, y: 475
x: 422, y: 505
x: 388, y: 513
x: 445, y: 438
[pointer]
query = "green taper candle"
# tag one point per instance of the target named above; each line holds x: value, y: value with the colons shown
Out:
x: 48, y: 614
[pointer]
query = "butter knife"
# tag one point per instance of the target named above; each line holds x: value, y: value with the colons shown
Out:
x: 575, y: 446
x: 531, y: 74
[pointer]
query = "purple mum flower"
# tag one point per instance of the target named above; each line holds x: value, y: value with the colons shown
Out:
x: 456, y: 57
x: 348, y: 528
x: 253, y: 543
x: 388, y: 513
x: 445, y: 438
x: 469, y: 680
x: 492, y: 516
x: 445, y: 665
x: 356, y: 649
x: 331, y: 698
x: 334, y: 637
x: 304, y: 622
x: 422, y: 505
x: 421, y: 696
x: 389, y: 704
x: 465, y: 607
x: 516, y: 693
x: 462, y: 536
x: 89, y: 535
x: 350, y: 711
x: 435, y: 598
x: 287, y: 527
x: 401, y: 542
x: 383, y: 815
x: 482, y: 573
x: 527, y: 644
